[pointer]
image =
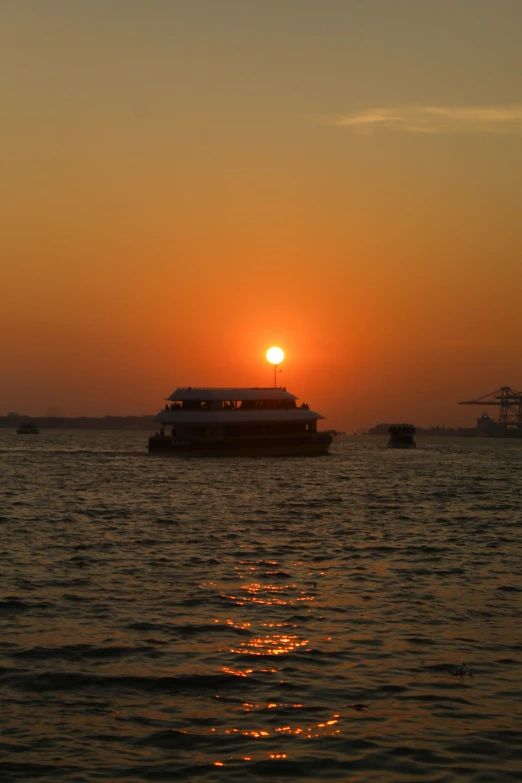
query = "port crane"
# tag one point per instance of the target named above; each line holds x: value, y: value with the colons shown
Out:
x: 510, y: 402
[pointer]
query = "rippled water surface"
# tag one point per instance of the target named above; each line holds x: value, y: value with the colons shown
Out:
x: 355, y: 617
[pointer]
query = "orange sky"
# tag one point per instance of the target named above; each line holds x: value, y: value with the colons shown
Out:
x: 186, y: 184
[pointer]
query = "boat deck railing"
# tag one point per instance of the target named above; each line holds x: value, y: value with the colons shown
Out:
x: 230, y: 388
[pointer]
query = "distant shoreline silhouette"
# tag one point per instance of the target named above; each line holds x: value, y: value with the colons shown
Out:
x: 81, y: 422
x: 147, y: 422
x: 435, y: 430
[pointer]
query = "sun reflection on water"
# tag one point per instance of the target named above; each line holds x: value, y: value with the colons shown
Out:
x: 314, y: 731
x: 263, y: 585
x: 273, y: 644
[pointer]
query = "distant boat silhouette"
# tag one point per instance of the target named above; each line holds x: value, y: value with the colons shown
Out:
x: 401, y: 436
x: 28, y: 428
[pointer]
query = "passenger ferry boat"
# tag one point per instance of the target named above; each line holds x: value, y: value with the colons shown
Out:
x: 401, y: 436
x: 244, y: 422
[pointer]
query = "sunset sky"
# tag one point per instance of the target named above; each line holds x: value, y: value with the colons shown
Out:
x: 185, y: 183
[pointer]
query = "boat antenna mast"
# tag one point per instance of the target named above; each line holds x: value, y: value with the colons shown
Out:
x: 276, y: 371
x: 275, y: 356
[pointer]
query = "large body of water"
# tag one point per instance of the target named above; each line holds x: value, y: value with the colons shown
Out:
x: 171, y: 619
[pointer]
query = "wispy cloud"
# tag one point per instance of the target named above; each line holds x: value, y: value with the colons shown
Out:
x: 436, y: 119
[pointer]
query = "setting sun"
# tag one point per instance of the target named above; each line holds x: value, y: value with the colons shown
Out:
x: 275, y: 355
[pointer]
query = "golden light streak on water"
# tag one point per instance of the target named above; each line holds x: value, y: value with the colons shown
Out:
x: 277, y: 644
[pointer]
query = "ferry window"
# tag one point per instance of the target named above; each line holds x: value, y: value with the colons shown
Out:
x: 272, y: 405
x: 192, y: 405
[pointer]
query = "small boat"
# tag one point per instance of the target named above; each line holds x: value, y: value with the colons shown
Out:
x: 246, y: 422
x: 401, y: 436
x: 28, y: 428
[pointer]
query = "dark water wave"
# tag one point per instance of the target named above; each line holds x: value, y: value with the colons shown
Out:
x: 354, y: 618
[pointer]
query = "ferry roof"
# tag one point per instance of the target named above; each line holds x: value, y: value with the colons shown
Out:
x: 236, y: 394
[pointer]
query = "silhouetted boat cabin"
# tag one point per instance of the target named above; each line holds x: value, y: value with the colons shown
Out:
x: 28, y: 428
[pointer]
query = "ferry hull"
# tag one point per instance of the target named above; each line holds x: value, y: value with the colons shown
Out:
x: 313, y: 445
